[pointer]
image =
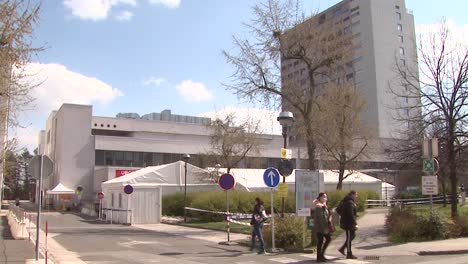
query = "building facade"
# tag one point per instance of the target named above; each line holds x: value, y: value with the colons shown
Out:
x: 381, y: 39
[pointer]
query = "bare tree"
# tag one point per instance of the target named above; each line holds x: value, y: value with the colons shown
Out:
x: 280, y: 37
x: 17, y: 21
x: 231, y: 142
x: 340, y: 130
x: 443, y: 77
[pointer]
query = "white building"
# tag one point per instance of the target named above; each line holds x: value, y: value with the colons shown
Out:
x: 88, y: 150
x: 383, y: 36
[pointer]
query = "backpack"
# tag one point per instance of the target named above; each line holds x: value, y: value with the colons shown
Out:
x: 340, y: 208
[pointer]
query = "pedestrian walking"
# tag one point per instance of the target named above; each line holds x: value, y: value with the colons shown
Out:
x: 348, y: 212
x: 258, y: 218
x: 323, y: 225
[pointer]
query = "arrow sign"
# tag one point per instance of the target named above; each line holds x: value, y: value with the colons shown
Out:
x: 271, y: 177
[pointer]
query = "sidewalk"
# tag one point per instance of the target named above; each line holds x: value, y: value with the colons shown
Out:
x: 371, y: 240
x: 11, y: 250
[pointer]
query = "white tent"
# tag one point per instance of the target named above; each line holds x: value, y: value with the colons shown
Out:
x: 252, y: 180
x: 60, y: 189
x: 143, y: 206
x: 60, y: 195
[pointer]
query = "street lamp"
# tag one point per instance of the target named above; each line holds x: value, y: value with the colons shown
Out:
x: 185, y: 158
x: 286, y: 119
x: 217, y: 167
x: 386, y: 185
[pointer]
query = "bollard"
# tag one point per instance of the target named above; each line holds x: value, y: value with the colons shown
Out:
x: 46, y: 235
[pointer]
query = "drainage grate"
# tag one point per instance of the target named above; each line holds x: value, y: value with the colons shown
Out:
x: 371, y: 258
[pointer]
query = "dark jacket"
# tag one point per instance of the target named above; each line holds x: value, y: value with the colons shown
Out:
x: 348, y: 218
x: 257, y: 215
x: 321, y: 219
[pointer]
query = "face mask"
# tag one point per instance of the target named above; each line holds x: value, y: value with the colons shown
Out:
x: 324, y: 199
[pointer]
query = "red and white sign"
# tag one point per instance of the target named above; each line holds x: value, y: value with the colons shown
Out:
x: 100, y: 195
x: 120, y: 173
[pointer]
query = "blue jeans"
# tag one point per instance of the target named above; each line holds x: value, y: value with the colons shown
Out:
x: 257, y: 232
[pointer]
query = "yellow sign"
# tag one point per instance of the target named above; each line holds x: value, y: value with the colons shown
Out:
x: 283, y: 190
x: 285, y: 153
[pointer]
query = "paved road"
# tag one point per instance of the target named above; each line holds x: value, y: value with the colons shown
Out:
x: 77, y: 240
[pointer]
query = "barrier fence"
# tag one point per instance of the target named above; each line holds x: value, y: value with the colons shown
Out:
x: 117, y: 216
x: 393, y: 202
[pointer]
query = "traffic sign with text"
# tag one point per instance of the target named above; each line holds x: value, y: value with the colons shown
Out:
x: 271, y: 177
x: 283, y: 190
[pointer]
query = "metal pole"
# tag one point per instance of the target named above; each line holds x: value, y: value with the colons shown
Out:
x: 185, y: 194
x: 432, y: 160
x: 39, y: 201
x: 227, y: 217
x: 285, y: 145
x: 100, y: 209
x: 272, y: 221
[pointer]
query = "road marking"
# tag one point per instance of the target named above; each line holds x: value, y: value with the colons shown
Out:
x: 350, y: 261
x: 284, y: 260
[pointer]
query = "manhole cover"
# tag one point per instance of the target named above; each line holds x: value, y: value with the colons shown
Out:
x: 171, y: 254
x: 371, y: 258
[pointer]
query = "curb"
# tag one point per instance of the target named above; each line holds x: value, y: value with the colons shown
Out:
x: 443, y: 252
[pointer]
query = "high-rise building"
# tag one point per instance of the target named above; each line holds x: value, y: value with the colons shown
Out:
x: 381, y: 37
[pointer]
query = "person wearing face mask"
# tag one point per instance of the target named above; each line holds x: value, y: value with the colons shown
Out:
x: 323, y: 226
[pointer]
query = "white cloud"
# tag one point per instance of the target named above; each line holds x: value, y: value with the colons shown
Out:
x: 458, y: 33
x: 154, y: 81
x: 60, y: 85
x: 166, y: 3
x: 124, y: 16
x: 27, y: 137
x: 94, y: 9
x: 194, y: 91
x: 265, y: 119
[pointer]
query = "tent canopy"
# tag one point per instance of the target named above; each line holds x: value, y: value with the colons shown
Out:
x: 167, y: 174
x: 60, y: 189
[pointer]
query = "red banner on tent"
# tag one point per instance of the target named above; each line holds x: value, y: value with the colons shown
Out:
x: 119, y: 173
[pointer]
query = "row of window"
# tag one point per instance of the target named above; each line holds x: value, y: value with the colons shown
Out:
x: 144, y: 159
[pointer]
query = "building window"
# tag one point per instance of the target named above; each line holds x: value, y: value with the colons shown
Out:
x: 400, y: 39
x: 397, y: 7
x: 403, y: 62
x: 398, y: 15
x: 120, y: 200
x: 354, y: 9
x: 354, y: 14
x: 402, y: 51
x: 112, y: 200
x: 399, y: 27
x: 406, y: 99
x: 347, y: 30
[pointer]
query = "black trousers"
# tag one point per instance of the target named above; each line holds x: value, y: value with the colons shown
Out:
x: 321, y: 246
x: 350, y: 235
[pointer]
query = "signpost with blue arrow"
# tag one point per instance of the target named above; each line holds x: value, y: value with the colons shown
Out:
x: 271, y: 178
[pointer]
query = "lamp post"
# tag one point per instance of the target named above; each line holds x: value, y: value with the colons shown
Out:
x: 386, y: 186
x: 286, y: 119
x: 217, y: 167
x: 185, y: 158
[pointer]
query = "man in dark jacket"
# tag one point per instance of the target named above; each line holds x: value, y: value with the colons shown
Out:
x: 348, y: 223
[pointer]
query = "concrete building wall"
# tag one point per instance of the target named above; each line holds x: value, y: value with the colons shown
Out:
x: 74, y: 148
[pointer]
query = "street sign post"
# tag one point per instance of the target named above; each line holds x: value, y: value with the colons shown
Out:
x: 430, y: 185
x: 227, y: 182
x: 100, y: 196
x: 271, y: 177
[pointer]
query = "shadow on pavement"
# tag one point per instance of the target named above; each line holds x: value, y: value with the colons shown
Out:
x: 382, y: 245
x: 6, y: 233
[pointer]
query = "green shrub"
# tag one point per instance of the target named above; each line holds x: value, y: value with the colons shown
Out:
x: 412, y: 194
x: 462, y: 222
x: 410, y: 225
x: 173, y: 204
x: 288, y: 232
x: 335, y: 197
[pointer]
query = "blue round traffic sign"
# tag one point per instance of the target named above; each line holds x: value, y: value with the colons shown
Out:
x: 271, y: 177
x: 128, y: 189
x: 226, y: 181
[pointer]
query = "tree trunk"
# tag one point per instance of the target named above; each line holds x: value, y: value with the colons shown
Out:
x: 452, y: 170
x: 311, y: 153
x: 339, y: 186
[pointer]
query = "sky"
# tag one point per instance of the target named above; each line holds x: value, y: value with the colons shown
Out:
x: 145, y: 56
